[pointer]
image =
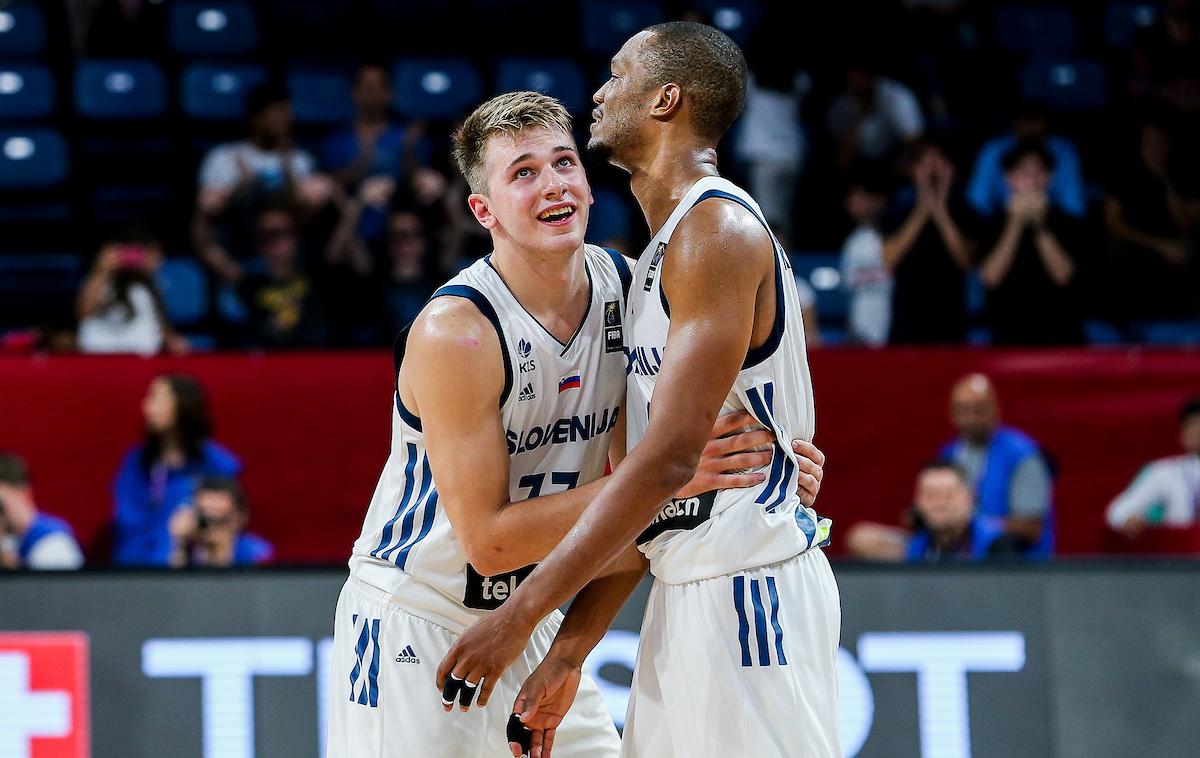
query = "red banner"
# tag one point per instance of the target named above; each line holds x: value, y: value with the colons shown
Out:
x: 312, y: 429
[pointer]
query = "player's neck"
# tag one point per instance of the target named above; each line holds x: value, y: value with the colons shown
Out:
x: 661, y: 180
x: 553, y: 287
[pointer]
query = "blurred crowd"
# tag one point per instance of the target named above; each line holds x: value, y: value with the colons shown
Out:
x: 981, y: 183
x: 987, y: 494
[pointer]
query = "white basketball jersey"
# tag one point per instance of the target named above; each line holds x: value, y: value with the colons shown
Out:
x: 726, y: 531
x: 559, y: 407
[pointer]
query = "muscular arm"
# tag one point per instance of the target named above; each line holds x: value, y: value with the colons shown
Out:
x: 465, y: 440
x: 720, y: 258
x: 468, y: 451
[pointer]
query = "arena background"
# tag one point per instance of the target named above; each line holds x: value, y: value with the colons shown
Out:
x: 107, y: 110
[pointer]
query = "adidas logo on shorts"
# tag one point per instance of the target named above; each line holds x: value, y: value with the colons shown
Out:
x: 408, y: 655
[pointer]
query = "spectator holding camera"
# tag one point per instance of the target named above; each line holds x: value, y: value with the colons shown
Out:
x: 923, y: 243
x: 29, y: 538
x: 120, y: 308
x: 211, y: 532
x: 1029, y: 261
x: 159, y: 475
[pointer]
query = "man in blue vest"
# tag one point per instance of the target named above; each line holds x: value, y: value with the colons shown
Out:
x: 949, y: 530
x: 1013, y: 484
x: 30, y: 539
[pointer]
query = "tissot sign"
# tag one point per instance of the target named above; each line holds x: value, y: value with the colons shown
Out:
x: 987, y: 663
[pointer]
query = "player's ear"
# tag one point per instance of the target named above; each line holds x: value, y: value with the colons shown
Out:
x: 481, y: 210
x: 667, y: 101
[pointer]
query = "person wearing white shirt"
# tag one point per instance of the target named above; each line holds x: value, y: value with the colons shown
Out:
x: 874, y: 118
x: 864, y: 274
x: 1167, y: 491
x: 29, y: 538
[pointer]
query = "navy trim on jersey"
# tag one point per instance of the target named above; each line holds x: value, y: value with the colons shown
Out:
x: 409, y: 418
x: 587, y: 311
x: 410, y: 513
x: 779, y: 481
x: 385, y: 537
x: 622, y: 267
x: 485, y: 307
x: 756, y: 355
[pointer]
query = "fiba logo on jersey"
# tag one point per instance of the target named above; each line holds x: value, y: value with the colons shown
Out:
x: 614, y: 337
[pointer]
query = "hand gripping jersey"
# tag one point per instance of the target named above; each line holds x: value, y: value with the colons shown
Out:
x: 727, y: 531
x: 559, y: 407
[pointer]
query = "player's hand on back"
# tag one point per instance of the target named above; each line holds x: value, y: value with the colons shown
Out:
x: 811, y: 462
x: 738, y: 445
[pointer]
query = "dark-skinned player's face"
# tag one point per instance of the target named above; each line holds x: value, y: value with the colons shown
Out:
x: 620, y: 105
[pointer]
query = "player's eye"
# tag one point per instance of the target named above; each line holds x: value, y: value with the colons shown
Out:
x: 565, y: 162
x: 523, y: 172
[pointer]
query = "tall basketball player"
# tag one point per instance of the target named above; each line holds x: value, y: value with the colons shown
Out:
x: 740, y: 635
x: 507, y: 398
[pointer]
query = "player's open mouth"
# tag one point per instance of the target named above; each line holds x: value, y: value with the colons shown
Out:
x: 557, y: 215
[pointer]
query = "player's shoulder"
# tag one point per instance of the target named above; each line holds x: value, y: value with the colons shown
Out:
x: 722, y: 229
x: 452, y: 323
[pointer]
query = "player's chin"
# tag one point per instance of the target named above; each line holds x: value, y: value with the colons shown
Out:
x: 597, y: 147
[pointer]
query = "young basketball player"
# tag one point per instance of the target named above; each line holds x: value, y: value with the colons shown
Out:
x: 740, y: 634
x: 508, y: 393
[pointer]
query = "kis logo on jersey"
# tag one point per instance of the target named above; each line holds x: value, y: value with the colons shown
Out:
x: 524, y: 350
x: 44, y: 691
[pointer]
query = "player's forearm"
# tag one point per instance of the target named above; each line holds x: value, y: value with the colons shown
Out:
x: 525, y: 532
x: 624, y: 508
x: 594, y: 608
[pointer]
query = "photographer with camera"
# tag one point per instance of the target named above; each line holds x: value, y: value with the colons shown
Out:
x: 120, y: 307
x: 30, y: 539
x: 211, y: 531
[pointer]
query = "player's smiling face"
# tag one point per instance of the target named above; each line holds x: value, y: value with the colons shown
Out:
x: 538, y: 194
x: 620, y: 105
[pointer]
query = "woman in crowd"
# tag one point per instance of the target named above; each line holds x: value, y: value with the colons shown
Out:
x: 159, y: 475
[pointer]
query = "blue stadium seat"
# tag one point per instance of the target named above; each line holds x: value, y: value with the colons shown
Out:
x: 217, y: 92
x: 435, y: 87
x: 558, y: 77
x: 320, y: 95
x: 26, y: 91
x: 821, y: 272
x: 117, y: 90
x: 218, y: 27
x: 737, y: 18
x: 608, y: 218
x: 120, y: 204
x: 1067, y: 85
x: 1124, y: 18
x: 1036, y: 30
x: 606, y: 25
x: 185, y: 291
x: 22, y: 29
x: 32, y: 159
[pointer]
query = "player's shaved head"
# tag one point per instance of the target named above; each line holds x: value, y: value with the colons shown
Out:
x: 706, y: 64
x: 974, y: 408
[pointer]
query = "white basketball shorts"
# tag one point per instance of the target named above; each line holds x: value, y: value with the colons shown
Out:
x: 739, y: 665
x: 384, y: 702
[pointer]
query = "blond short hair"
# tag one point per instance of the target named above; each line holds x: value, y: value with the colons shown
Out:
x: 504, y: 114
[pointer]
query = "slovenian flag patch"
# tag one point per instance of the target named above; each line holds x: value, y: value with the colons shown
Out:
x: 569, y: 382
